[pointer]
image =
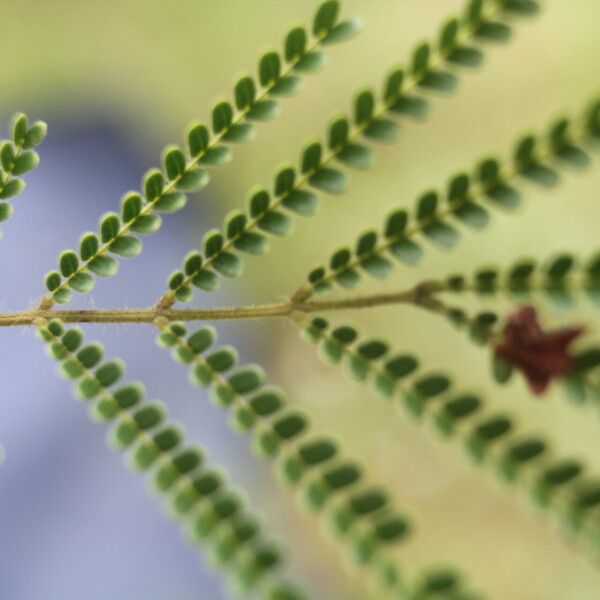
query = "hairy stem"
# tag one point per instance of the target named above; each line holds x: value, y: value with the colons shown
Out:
x: 421, y: 295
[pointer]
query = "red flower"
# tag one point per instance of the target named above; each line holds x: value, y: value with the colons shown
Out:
x: 541, y: 356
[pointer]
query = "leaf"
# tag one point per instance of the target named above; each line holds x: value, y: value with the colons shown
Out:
x: 311, y: 157
x: 62, y: 296
x: 88, y: 245
x: 245, y: 93
x: 342, y: 32
x: 382, y: 130
x: 222, y: 359
x: 420, y: 61
x: 474, y: 13
x: 252, y: 243
x: 502, y: 370
x: 310, y: 62
x: 338, y: 133
x: 286, y: 86
x: 53, y: 280
x: 222, y: 117
x: 395, y: 224
x: 175, y: 163
x: 126, y: 246
x: 259, y: 203
x: 263, y: 110
x: 104, y: 266
x: 109, y: 227
x: 216, y: 156
x: 295, y: 44
x: 11, y: 188
x: 301, y: 202
x: 7, y: 156
x: 146, y: 224
x: 212, y: 242
x: 441, y: 234
x: 393, y: 87
x: 329, y: 180
x: 406, y: 251
x: 377, y: 266
x: 448, y: 37
x: 488, y: 172
x: 356, y: 156
x: 325, y: 18
x: 89, y: 356
x: 6, y: 211
x: 239, y: 133
x: 427, y: 206
x: 505, y: 196
x: 364, y: 106
x: 19, y: 128
x: 198, y: 139
x: 441, y: 81
x: 411, y: 106
x: 68, y: 263
x: 401, y: 366
x: 27, y: 161
x: 153, y: 184
x: 276, y: 223
x: 202, y: 339
x: 170, y: 202
x: 466, y: 56
x: 472, y: 214
x: 247, y: 379
x: 494, y: 31
x: 81, y: 282
x: 432, y: 385
x: 193, y: 180
x: 560, y: 266
x: 110, y: 372
x: 269, y: 68
x: 131, y: 207
x: 35, y: 136
x: 227, y: 264
x: 366, y: 243
x: 284, y: 181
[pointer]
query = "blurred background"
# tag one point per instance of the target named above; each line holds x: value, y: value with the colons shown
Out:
x: 118, y: 80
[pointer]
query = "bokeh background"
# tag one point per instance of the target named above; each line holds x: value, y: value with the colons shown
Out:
x: 116, y: 81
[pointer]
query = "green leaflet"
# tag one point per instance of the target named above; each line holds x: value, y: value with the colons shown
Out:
x: 186, y: 169
x: 195, y: 493
x: 17, y: 157
x: 467, y: 201
x: 362, y: 513
x: 489, y: 438
x: 295, y: 190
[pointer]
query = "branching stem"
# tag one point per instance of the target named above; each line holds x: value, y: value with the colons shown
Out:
x: 421, y: 295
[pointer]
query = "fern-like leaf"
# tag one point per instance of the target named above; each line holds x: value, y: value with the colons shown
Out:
x: 360, y: 514
x: 186, y: 170
x: 490, y: 437
x: 561, y: 279
x: 17, y: 157
x: 196, y: 494
x: 468, y: 199
x: 373, y: 120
